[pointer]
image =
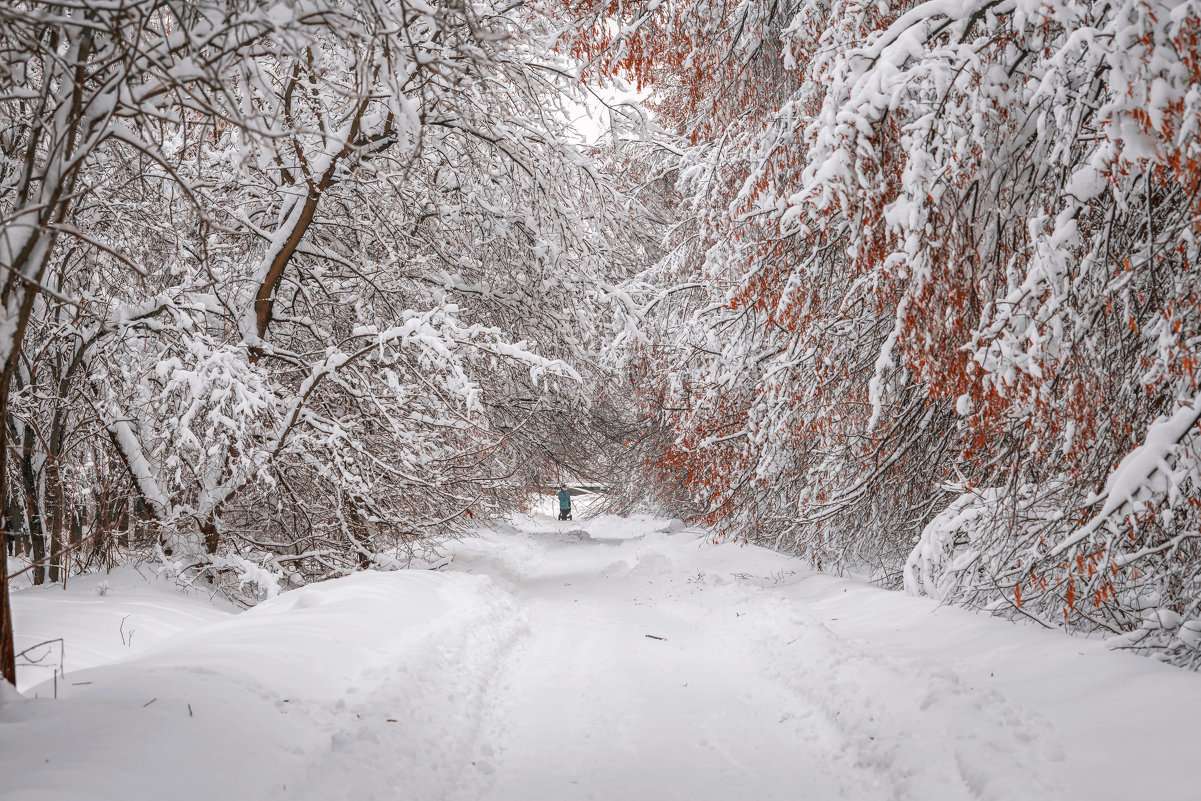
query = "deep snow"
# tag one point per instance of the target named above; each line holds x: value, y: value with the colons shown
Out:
x: 101, y: 617
x: 524, y: 671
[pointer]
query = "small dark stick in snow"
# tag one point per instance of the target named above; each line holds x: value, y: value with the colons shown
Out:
x: 653, y: 637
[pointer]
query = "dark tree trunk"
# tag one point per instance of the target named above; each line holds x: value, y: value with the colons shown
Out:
x: 37, y: 542
x: 55, y: 531
x: 8, y: 657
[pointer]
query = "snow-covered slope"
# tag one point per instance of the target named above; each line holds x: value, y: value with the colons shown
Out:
x: 525, y: 671
x: 99, y: 618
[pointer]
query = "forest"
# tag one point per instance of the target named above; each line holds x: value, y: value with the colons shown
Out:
x: 294, y: 289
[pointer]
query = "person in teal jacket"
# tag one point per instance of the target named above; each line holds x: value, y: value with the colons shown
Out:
x: 564, y: 504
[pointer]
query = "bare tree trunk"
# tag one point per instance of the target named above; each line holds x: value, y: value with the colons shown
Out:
x: 55, y: 570
x: 8, y: 653
x: 8, y: 657
x: 54, y: 529
x: 37, y: 548
x: 37, y: 534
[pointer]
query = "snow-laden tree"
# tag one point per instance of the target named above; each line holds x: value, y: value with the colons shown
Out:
x: 320, y: 270
x: 937, y: 283
x: 72, y: 77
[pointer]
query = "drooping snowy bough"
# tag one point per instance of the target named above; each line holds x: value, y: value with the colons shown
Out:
x: 935, y: 284
x: 306, y: 284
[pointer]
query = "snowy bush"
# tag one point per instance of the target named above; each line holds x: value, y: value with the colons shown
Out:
x: 1132, y: 567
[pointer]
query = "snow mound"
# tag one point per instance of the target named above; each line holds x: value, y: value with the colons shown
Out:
x: 613, y: 527
x: 271, y: 696
x: 652, y: 563
x: 572, y: 536
x: 99, y: 618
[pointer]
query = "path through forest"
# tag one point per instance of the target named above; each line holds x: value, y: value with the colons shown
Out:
x: 523, y: 670
x: 748, y: 693
x: 624, y: 686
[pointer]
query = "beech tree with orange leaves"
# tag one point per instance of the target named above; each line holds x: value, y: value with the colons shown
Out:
x: 934, y: 295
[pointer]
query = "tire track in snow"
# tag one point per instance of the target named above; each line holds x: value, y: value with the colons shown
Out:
x: 410, y: 722
x: 589, y: 707
x: 541, y: 683
x: 920, y: 724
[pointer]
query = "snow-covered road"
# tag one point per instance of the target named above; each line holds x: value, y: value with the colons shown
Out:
x: 747, y: 694
x: 588, y: 706
x: 524, y: 671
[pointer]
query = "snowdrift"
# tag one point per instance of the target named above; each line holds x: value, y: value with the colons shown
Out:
x: 246, y: 702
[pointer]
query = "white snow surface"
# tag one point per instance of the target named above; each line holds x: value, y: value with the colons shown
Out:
x: 100, y: 617
x: 524, y: 671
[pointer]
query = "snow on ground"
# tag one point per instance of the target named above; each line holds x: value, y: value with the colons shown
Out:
x: 524, y: 671
x: 101, y: 617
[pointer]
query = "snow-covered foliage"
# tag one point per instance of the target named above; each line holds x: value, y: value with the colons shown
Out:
x: 302, y: 284
x: 932, y: 244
